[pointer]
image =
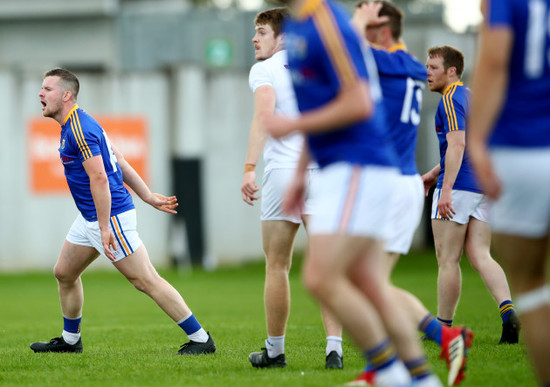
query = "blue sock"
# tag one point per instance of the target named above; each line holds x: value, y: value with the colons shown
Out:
x: 72, y: 325
x: 431, y: 327
x: 190, y: 324
x: 448, y: 323
x: 418, y: 368
x: 506, y: 309
x: 381, y: 356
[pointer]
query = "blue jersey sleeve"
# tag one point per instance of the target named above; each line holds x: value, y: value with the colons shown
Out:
x: 498, y: 12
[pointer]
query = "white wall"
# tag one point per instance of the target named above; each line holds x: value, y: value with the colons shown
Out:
x: 33, y: 227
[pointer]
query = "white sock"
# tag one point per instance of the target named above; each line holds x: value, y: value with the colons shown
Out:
x: 334, y: 343
x: 396, y: 374
x: 428, y: 381
x: 275, y: 345
x: 70, y: 338
x: 199, y: 336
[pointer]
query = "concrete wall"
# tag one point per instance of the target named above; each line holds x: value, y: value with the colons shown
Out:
x: 193, y: 111
x: 32, y: 227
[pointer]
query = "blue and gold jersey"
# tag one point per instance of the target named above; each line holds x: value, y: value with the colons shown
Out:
x: 525, y: 116
x: 451, y: 115
x: 402, y: 78
x: 325, y: 56
x: 82, y: 138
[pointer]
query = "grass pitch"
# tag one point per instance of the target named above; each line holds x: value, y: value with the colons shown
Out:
x: 128, y: 341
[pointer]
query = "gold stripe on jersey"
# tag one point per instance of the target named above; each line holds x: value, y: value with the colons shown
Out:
x: 308, y: 9
x: 333, y: 41
x: 79, y: 135
x: 68, y: 115
x: 450, y: 108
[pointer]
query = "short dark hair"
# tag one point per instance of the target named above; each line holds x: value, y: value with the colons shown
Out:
x: 274, y: 17
x: 69, y: 80
x: 452, y: 57
x: 394, y: 14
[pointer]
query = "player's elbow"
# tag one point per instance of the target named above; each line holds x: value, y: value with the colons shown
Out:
x: 99, y: 179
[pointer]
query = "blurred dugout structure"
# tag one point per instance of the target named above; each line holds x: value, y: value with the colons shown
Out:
x: 182, y: 70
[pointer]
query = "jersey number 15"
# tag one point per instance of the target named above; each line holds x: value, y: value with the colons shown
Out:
x: 411, y: 111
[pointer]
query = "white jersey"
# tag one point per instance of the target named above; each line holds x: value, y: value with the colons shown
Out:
x: 285, y: 151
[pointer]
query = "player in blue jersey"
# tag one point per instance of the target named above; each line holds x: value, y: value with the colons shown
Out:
x: 402, y: 78
x: 106, y: 225
x: 459, y: 208
x: 336, y: 85
x: 511, y: 115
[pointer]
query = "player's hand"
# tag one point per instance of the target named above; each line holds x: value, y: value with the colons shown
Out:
x: 293, y: 202
x: 445, y: 204
x: 163, y: 203
x: 249, y: 187
x: 367, y: 15
x: 109, y: 245
x: 428, y: 181
x: 276, y: 125
x: 485, y: 173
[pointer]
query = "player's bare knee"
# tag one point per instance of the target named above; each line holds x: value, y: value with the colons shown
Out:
x: 63, y: 275
x: 274, y: 264
x: 315, y: 281
x: 140, y: 284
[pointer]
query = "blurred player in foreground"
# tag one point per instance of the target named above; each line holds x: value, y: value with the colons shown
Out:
x: 95, y: 171
x: 402, y: 78
x: 270, y: 82
x: 511, y: 115
x: 338, y: 95
x: 460, y: 210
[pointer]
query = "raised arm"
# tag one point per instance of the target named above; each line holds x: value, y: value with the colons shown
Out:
x: 136, y: 183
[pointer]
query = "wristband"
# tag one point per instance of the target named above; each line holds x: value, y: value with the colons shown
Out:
x: 249, y: 167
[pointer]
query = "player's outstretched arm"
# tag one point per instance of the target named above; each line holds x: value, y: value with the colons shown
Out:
x: 136, y: 183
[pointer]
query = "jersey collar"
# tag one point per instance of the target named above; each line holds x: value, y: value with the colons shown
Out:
x: 397, y: 47
x: 394, y: 48
x: 68, y: 115
x: 451, y: 85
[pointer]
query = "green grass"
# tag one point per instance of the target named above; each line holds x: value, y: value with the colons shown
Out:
x: 129, y: 341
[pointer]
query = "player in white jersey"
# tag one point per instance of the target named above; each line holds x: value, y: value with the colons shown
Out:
x: 270, y: 82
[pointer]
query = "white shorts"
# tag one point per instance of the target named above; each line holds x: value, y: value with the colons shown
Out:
x: 405, y: 213
x: 524, y: 206
x: 274, y: 185
x: 466, y: 204
x: 84, y: 233
x: 354, y: 200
